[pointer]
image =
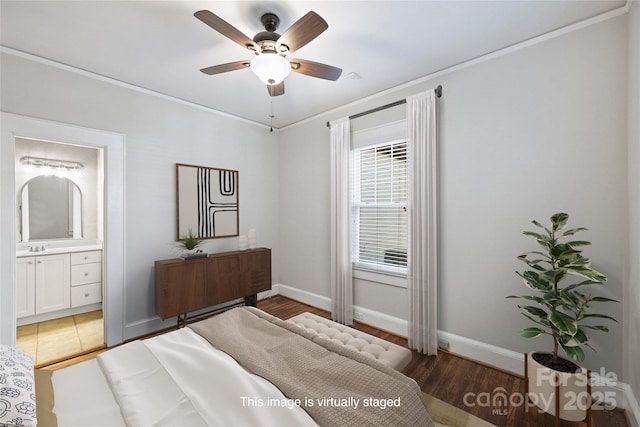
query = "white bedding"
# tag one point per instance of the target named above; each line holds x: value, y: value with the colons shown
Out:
x: 83, y: 397
x: 187, y: 382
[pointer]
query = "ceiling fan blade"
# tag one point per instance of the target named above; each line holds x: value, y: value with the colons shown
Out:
x: 223, y: 68
x: 302, y: 31
x: 226, y: 29
x: 276, y: 90
x: 315, y: 69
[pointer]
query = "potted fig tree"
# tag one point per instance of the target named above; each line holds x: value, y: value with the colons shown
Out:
x: 558, y: 275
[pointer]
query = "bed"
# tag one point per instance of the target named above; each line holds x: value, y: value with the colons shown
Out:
x: 240, y: 368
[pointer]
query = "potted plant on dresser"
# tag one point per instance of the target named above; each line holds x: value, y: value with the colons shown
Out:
x: 559, y: 275
x: 190, y: 243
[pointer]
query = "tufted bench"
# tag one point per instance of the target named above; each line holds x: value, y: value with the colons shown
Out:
x: 392, y: 355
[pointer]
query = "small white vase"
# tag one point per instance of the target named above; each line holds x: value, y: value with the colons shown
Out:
x: 251, y: 238
x: 243, y: 243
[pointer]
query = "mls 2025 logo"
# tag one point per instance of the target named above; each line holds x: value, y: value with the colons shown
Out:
x: 500, y: 401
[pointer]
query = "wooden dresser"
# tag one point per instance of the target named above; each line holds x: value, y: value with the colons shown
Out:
x: 183, y: 286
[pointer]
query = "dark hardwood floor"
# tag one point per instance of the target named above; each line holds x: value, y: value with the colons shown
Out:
x: 458, y: 381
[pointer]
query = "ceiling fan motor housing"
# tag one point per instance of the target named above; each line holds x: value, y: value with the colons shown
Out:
x: 267, y: 39
x: 270, y: 21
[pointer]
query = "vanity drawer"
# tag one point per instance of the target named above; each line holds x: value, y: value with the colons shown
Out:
x: 86, y: 257
x: 82, y: 274
x: 86, y: 294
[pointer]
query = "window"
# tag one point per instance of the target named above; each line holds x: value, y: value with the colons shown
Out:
x: 379, y: 206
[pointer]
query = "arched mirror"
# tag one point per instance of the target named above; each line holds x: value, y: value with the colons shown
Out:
x: 51, y: 208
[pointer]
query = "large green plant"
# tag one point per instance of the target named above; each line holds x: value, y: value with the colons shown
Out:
x: 561, y: 309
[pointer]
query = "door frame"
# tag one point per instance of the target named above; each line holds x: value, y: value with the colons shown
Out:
x: 112, y: 146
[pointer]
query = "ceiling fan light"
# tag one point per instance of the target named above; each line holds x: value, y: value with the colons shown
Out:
x: 270, y: 68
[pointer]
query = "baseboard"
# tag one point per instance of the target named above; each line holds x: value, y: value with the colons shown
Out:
x: 631, y: 405
x: 365, y: 315
x: 501, y: 358
x: 381, y: 320
x: 144, y: 327
x: 304, y: 296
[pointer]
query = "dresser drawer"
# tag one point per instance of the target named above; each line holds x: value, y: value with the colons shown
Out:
x: 82, y: 274
x: 86, y: 257
x: 86, y: 294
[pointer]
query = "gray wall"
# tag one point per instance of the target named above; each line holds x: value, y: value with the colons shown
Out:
x: 632, y: 290
x: 522, y: 135
x: 159, y: 133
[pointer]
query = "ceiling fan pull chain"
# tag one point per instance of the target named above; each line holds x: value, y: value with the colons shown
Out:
x: 271, y: 116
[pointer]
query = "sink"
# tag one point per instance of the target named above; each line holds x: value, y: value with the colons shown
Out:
x: 22, y: 252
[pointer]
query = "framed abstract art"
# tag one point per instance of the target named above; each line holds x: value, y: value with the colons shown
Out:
x: 207, y: 201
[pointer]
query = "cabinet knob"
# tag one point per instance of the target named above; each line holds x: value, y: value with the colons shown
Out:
x: 39, y: 262
x: 86, y: 295
x: 86, y: 274
x: 86, y: 258
x: 30, y: 262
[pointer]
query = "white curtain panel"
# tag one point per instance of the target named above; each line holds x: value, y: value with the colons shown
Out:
x: 423, y: 256
x: 340, y: 205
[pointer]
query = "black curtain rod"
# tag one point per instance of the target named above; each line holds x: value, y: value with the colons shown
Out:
x: 437, y: 90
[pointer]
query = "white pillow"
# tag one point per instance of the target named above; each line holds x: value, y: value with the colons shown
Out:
x: 17, y: 388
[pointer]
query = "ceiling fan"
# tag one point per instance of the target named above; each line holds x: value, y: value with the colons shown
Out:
x: 270, y: 63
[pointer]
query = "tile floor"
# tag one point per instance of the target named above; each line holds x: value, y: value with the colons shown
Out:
x: 59, y: 339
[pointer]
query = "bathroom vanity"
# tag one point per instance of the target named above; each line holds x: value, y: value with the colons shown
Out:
x: 58, y: 282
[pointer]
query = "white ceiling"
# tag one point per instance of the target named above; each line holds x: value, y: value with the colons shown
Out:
x: 161, y: 46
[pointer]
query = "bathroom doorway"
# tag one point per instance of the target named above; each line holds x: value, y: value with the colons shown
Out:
x: 113, y: 150
x: 59, y: 257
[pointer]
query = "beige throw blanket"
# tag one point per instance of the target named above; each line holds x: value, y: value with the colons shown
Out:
x: 335, y: 385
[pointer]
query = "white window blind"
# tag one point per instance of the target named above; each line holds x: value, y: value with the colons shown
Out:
x: 379, y: 203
